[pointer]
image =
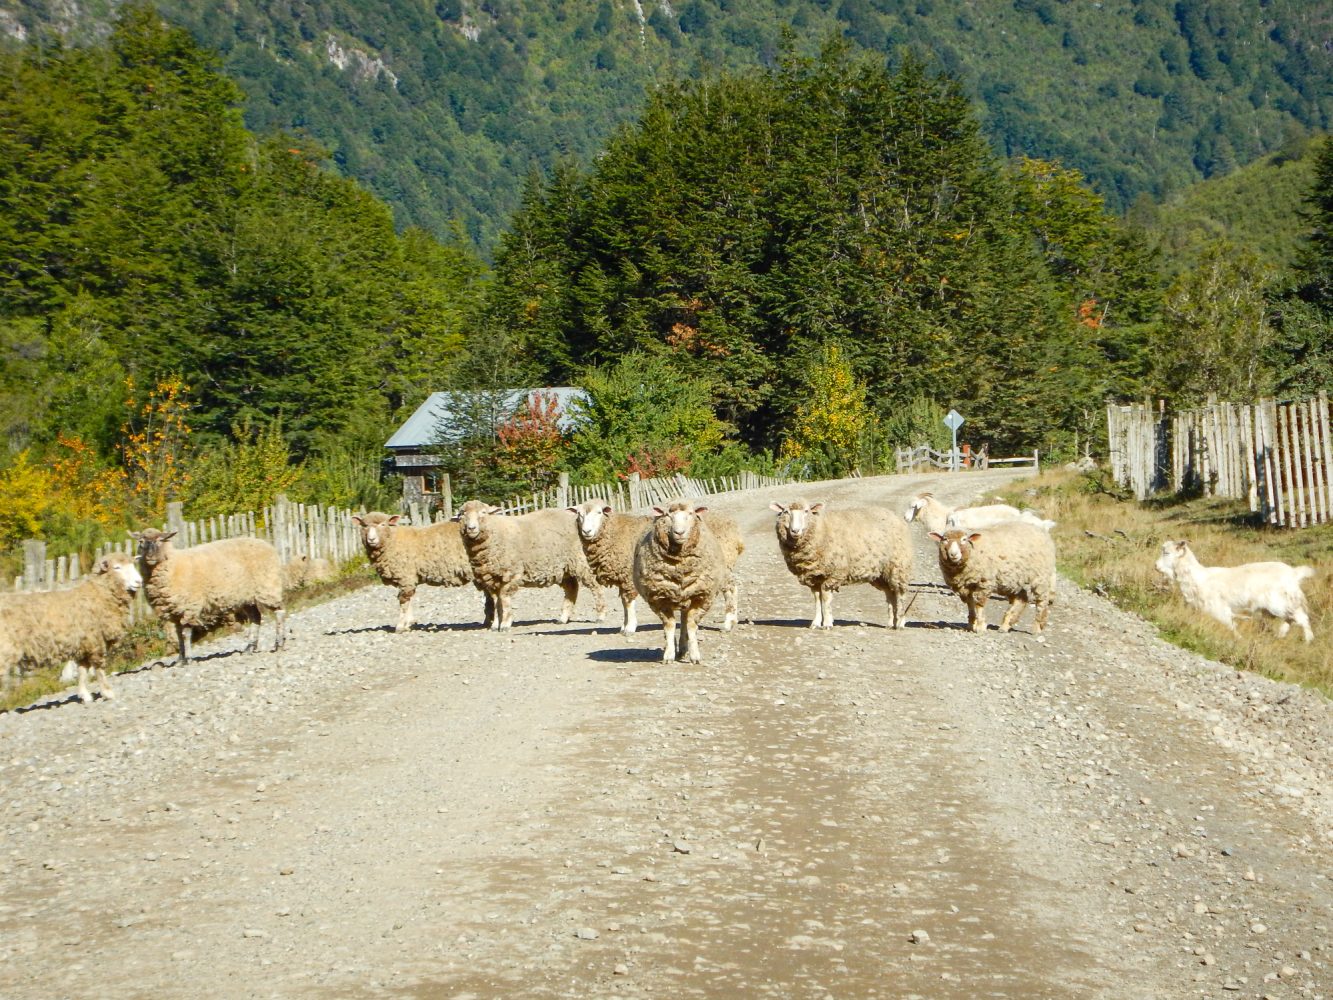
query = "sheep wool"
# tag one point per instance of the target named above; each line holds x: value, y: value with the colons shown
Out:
x: 196, y: 588
x: 82, y: 624
x: 537, y: 549
x: 1014, y: 559
x: 1223, y: 592
x: 679, y: 565
x: 608, y: 540
x: 406, y: 556
x: 826, y: 549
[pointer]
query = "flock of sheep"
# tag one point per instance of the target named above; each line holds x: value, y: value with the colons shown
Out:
x: 679, y: 559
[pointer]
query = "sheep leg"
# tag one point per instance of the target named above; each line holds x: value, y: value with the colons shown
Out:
x: 1043, y: 609
x: 405, y: 595
x: 252, y: 621
x: 570, y: 585
x: 1223, y: 614
x: 1300, y: 619
x: 976, y: 612
x: 506, y: 609
x: 669, y: 631
x: 729, y: 619
x: 1017, y: 605
x: 894, y: 598
x: 280, y: 640
x: 600, y: 600
x: 691, y: 614
x: 84, y: 695
x: 184, y: 639
x: 631, y: 618
x: 488, y: 611
x: 818, y: 620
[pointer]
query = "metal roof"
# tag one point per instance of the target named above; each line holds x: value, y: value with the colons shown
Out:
x: 434, y: 418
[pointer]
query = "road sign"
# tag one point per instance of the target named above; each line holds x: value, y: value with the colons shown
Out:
x: 953, y: 420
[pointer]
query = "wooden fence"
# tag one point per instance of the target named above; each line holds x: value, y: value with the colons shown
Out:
x: 1276, y: 456
x: 925, y: 457
x: 297, y: 530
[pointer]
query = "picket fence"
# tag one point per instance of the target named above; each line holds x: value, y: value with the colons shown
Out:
x: 925, y: 457
x: 327, y: 532
x: 1276, y: 456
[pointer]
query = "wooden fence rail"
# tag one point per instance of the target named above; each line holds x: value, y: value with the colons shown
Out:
x: 325, y: 532
x: 925, y: 457
x: 1276, y: 456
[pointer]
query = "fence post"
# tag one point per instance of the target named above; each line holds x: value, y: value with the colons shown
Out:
x: 34, y: 562
x: 280, y: 527
x: 635, y: 496
x: 447, y: 497
x: 562, y: 497
x: 176, y: 520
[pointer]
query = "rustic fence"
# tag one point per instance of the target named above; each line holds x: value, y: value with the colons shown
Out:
x: 1276, y: 456
x: 925, y: 457
x: 325, y: 532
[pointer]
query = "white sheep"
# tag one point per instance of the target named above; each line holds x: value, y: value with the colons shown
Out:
x: 80, y: 624
x: 537, y: 549
x: 1013, y: 559
x: 304, y: 571
x: 937, y: 517
x: 1222, y: 592
x: 405, y: 556
x: 826, y: 549
x: 608, y: 543
x: 198, y: 587
x: 680, y: 564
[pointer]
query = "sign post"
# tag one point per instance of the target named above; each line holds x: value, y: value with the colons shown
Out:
x: 953, y: 420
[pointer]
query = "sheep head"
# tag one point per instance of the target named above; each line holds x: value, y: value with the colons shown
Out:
x: 375, y: 528
x: 123, y: 567
x: 795, y: 520
x: 1173, y: 554
x: 919, y: 504
x: 591, y: 515
x: 471, y: 518
x: 676, y: 527
x: 955, y: 546
x: 154, y: 546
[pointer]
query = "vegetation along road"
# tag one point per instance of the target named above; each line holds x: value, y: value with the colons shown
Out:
x: 555, y: 813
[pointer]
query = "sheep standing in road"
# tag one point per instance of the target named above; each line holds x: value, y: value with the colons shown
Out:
x: 405, y: 556
x: 680, y: 564
x: 826, y: 549
x: 80, y: 624
x: 537, y: 549
x: 1222, y: 592
x: 608, y: 543
x: 197, y: 588
x: 1014, y: 559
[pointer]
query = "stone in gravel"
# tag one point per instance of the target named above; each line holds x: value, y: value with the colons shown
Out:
x: 620, y: 970
x: 1258, y: 928
x: 919, y: 937
x: 252, y: 932
x: 587, y: 934
x: 680, y: 847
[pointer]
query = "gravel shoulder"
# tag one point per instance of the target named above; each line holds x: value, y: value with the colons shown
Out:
x: 556, y: 813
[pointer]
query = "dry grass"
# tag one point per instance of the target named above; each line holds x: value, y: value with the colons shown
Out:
x: 1109, y: 544
x: 148, y: 640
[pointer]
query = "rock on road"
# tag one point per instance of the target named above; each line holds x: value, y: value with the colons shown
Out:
x: 452, y: 813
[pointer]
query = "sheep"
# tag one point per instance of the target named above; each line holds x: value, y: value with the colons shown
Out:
x: 80, y: 624
x: 608, y: 542
x: 826, y: 549
x: 196, y: 588
x: 1014, y: 560
x: 680, y: 564
x: 937, y: 517
x: 537, y: 549
x: 406, y: 556
x: 1222, y: 592
x: 306, y: 570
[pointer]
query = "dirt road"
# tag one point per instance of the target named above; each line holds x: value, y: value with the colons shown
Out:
x: 452, y: 813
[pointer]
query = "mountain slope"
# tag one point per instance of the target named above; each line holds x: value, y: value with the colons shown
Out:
x: 442, y: 109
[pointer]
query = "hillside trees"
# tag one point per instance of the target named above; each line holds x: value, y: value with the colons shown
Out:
x: 746, y: 223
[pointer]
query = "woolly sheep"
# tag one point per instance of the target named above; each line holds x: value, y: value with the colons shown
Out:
x: 537, y: 549
x: 304, y: 571
x: 825, y: 549
x: 80, y: 624
x: 196, y: 588
x: 937, y: 517
x: 608, y: 542
x: 1014, y: 560
x: 680, y: 564
x: 1222, y: 592
x: 405, y: 556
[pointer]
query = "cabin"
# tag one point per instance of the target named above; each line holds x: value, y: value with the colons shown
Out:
x: 446, y: 416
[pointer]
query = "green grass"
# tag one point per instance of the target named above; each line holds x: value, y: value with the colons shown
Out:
x: 1109, y: 543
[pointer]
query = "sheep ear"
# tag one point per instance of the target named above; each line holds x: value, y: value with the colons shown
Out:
x: 700, y: 510
x: 777, y: 507
x: 457, y: 517
x: 394, y: 519
x: 572, y: 510
x: 606, y: 509
x: 356, y: 519
x: 493, y: 510
x: 103, y: 565
x: 974, y: 536
x: 937, y: 536
x: 169, y: 534
x: 659, y: 511
x: 816, y: 507
x: 136, y: 535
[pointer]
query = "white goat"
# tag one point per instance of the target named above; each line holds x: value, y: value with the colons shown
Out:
x: 1223, y: 592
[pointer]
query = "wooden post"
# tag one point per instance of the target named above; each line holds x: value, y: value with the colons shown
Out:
x: 447, y: 496
x: 278, y: 526
x: 635, y: 492
x: 34, y: 562
x: 1326, y: 449
x: 176, y: 521
x: 1319, y: 499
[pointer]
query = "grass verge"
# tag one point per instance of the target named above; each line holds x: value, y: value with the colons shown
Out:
x: 149, y: 640
x: 1108, y: 543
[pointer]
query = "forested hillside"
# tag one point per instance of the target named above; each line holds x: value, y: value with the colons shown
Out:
x: 441, y: 109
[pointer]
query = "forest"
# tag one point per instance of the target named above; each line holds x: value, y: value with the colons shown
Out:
x: 793, y: 265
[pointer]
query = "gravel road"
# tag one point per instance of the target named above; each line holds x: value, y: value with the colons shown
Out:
x: 554, y: 812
